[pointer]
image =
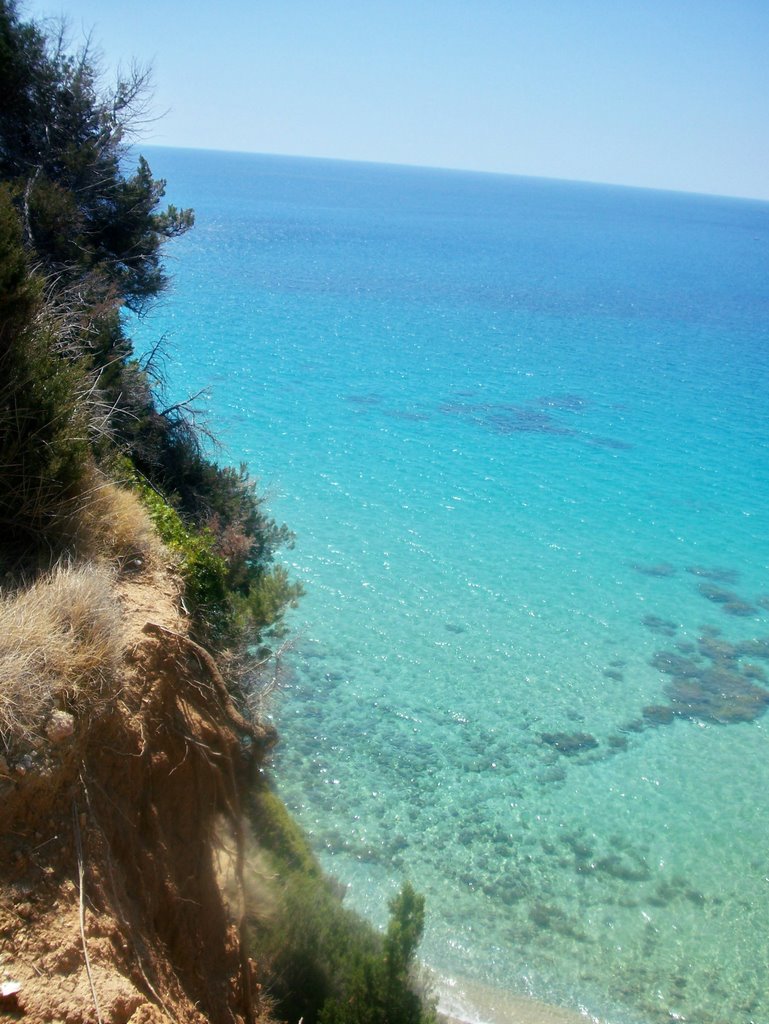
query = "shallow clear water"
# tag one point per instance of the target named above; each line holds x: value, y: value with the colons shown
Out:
x: 520, y: 430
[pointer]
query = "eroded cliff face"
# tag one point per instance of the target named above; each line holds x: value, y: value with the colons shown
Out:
x: 121, y: 842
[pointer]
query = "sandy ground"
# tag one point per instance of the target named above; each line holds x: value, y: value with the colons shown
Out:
x: 466, y: 1002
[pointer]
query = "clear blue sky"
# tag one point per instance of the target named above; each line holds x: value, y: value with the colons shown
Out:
x: 660, y: 93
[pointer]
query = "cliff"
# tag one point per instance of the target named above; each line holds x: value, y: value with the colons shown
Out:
x: 121, y: 835
x: 147, y: 870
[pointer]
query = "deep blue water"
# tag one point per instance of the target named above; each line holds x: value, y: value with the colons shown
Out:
x: 520, y: 430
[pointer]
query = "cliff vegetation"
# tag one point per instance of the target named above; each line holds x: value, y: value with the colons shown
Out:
x: 148, y: 871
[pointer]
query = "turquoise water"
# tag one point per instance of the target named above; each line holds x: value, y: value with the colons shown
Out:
x: 520, y: 430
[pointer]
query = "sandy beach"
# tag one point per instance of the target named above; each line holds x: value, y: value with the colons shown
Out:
x: 461, y: 1001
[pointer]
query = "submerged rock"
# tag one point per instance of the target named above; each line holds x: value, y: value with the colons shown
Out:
x: 635, y: 725
x: 658, y: 714
x: 673, y: 664
x: 658, y: 625
x: 754, y: 672
x: 618, y: 742
x: 717, y: 594
x: 569, y: 743
x: 758, y: 648
x: 742, y: 608
x: 718, y: 650
x: 661, y: 569
x: 553, y: 919
x: 717, y: 695
x: 717, y: 575
x: 628, y: 867
x: 711, y: 687
x: 571, y: 403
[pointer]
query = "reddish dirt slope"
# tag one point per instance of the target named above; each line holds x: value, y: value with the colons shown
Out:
x: 121, y: 849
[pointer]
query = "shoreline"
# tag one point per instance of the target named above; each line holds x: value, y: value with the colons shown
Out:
x: 462, y: 1001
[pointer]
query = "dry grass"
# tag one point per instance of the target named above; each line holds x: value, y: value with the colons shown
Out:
x: 111, y: 523
x: 60, y: 643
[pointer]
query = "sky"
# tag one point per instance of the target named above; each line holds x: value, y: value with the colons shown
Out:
x: 670, y: 94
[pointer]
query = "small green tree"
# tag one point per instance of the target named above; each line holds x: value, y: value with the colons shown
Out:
x: 404, y: 933
x: 378, y: 985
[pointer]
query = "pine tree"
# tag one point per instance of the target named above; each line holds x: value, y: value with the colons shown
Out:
x: 64, y: 142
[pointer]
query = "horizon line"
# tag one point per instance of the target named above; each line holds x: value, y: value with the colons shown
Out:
x: 458, y: 170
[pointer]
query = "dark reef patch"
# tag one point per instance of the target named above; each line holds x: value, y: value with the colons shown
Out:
x: 758, y: 648
x: 658, y: 714
x: 569, y: 403
x: 660, y: 569
x: 520, y: 420
x: 502, y: 418
x: 569, y: 743
x: 672, y: 664
x: 665, y: 627
x: 741, y: 608
x: 634, y: 725
x: 621, y: 861
x: 718, y: 651
x: 628, y: 867
x: 676, y: 888
x: 363, y: 399
x: 716, y: 594
x: 730, y: 602
x: 709, y: 630
x: 711, y: 685
x: 553, y: 919
x: 754, y: 672
x: 610, y: 442
x: 717, y: 695
x: 537, y: 416
x: 406, y: 415
x: 716, y: 575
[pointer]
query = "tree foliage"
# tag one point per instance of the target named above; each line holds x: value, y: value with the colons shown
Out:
x: 81, y: 242
x: 63, y: 143
x: 44, y: 425
x: 326, y: 964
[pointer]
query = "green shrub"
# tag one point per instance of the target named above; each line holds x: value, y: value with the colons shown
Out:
x: 279, y: 834
x: 260, y: 610
x: 203, y: 571
x: 325, y: 964
x: 378, y: 984
x: 235, y: 601
x: 44, y: 410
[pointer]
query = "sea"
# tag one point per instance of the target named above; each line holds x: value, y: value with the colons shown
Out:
x: 520, y: 430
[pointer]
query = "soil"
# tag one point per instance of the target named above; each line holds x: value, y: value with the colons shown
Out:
x: 121, y: 851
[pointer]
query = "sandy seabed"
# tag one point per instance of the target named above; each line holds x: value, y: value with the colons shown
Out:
x: 467, y: 1002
